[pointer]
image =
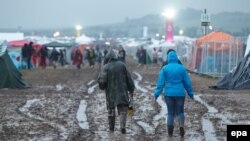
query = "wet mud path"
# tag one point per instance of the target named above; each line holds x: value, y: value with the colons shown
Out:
x: 67, y: 104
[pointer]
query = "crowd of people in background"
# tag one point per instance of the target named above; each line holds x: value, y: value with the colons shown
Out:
x: 41, y: 56
x: 89, y: 56
x: 141, y: 56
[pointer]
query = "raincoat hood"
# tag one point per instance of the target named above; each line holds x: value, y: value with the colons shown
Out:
x: 112, y: 55
x: 172, y: 57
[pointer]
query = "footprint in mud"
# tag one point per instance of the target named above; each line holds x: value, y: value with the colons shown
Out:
x: 28, y: 110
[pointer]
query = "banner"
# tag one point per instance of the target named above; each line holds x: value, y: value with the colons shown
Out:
x: 169, y: 31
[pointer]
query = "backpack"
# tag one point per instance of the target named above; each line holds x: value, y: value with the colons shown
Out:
x: 91, y: 54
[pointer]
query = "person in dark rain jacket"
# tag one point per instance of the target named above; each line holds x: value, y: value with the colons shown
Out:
x: 54, y: 57
x: 115, y: 79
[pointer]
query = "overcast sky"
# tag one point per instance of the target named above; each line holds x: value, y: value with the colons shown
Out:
x: 68, y: 13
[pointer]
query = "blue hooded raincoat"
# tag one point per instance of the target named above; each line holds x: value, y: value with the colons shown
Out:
x: 174, y: 78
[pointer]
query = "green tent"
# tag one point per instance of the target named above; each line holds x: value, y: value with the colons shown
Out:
x: 148, y: 59
x: 10, y: 77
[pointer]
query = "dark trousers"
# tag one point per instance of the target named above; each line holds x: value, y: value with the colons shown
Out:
x: 122, y: 112
x: 29, y: 62
x: 43, y: 62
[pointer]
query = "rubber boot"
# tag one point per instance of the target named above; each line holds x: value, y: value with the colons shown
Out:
x: 111, y: 118
x: 111, y: 123
x: 170, y: 131
x: 182, y: 132
x: 123, y: 111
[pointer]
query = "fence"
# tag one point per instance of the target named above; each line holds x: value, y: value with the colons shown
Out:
x: 216, y: 58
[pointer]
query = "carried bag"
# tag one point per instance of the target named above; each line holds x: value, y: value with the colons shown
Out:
x: 131, y: 107
x: 102, y: 85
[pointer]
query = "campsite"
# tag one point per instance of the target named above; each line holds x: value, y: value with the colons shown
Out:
x: 124, y: 70
x: 72, y: 107
x: 67, y: 104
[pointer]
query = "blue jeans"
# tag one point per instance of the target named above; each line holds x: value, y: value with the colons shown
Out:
x: 175, y: 105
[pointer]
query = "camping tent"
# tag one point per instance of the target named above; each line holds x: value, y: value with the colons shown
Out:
x: 239, y: 78
x: 216, y: 53
x: 57, y: 44
x: 14, y: 50
x: 10, y: 77
x: 64, y: 46
x: 83, y: 39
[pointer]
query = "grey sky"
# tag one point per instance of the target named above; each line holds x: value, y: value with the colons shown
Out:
x: 68, y: 13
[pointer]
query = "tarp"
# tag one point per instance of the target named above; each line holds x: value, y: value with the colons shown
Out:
x: 10, y: 77
x: 238, y: 79
x: 57, y: 44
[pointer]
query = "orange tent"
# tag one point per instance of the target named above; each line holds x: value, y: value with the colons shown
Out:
x: 215, y: 41
x: 215, y: 36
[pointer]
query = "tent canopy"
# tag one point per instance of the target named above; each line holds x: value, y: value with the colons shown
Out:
x: 17, y: 43
x: 83, y: 39
x: 20, y: 43
x: 218, y: 41
x: 215, y: 36
x: 57, y: 44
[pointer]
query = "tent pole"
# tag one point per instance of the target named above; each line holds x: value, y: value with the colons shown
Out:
x: 214, y: 59
x: 230, y: 55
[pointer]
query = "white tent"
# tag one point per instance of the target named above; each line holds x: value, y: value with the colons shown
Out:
x: 84, y: 40
x: 11, y: 36
x: 248, y: 46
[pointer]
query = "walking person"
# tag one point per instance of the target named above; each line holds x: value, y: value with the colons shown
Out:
x: 77, y: 59
x: 36, y: 56
x: 138, y: 56
x: 62, y: 59
x: 155, y: 56
x: 105, y: 52
x: 160, y: 55
x: 166, y: 61
x: 29, y: 51
x: 24, y: 55
x: 54, y: 57
x: 91, y: 57
x: 143, y: 56
x: 122, y: 54
x: 98, y: 57
x: 115, y: 79
x: 174, y: 79
x: 44, y: 56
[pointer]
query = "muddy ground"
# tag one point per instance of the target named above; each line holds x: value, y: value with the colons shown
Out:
x: 66, y: 104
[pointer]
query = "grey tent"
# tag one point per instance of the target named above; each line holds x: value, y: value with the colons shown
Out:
x: 57, y: 44
x: 10, y: 77
x: 239, y: 78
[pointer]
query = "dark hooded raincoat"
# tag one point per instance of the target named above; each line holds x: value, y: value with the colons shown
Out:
x: 117, y: 81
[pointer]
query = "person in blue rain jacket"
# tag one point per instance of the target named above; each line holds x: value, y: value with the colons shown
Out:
x: 174, y: 79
